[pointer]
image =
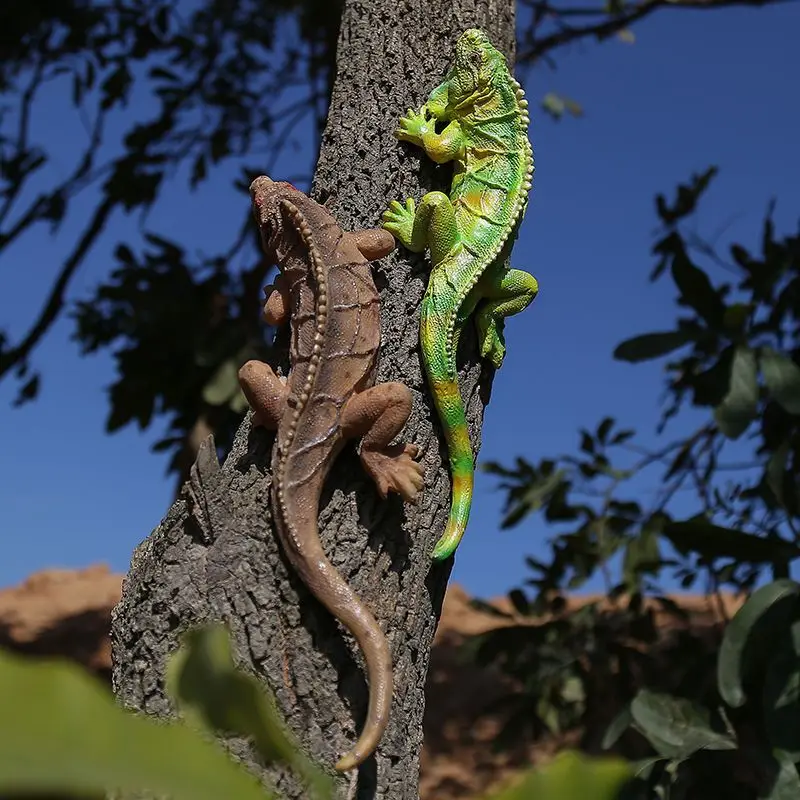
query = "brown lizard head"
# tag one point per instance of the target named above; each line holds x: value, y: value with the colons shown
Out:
x: 266, y: 196
x: 270, y: 200
x: 276, y: 205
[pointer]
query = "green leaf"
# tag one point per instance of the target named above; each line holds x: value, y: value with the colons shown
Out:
x: 533, y: 496
x: 644, y: 767
x: 751, y: 636
x: 651, y: 345
x: 604, y: 428
x: 223, y: 385
x: 618, y: 726
x: 696, y: 290
x: 677, y: 722
x: 571, y: 776
x: 573, y: 106
x: 709, y: 386
x: 199, y: 170
x: 211, y: 692
x: 622, y: 436
x: 642, y: 554
x: 115, y: 87
x: 714, y: 541
x: 781, y: 697
x: 556, y: 105
x: 62, y: 732
x: 28, y: 391
x: 687, y: 197
x: 735, y: 317
x: 238, y: 403
x: 667, y: 751
x: 782, y: 377
x: 519, y: 601
x: 786, y: 781
x: 775, y: 472
x: 740, y: 406
x: 163, y: 74
x: 219, y: 144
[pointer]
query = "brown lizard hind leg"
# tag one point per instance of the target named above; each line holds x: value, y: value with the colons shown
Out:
x: 374, y: 243
x: 265, y: 392
x: 276, y: 307
x: 377, y: 415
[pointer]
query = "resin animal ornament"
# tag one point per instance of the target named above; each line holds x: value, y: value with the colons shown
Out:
x: 483, y: 117
x: 326, y: 292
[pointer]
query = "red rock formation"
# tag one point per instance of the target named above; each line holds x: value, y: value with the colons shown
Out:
x: 62, y: 612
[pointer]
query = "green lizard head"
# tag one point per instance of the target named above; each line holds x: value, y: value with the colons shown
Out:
x: 479, y: 77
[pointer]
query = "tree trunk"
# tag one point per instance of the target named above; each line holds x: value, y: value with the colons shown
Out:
x: 214, y: 556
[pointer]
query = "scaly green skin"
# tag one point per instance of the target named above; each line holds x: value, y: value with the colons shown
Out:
x: 470, y: 235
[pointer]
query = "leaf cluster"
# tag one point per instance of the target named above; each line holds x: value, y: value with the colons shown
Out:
x: 732, y: 359
x: 742, y: 348
x: 217, y: 82
x: 175, y: 358
x: 569, y: 664
x: 749, y: 746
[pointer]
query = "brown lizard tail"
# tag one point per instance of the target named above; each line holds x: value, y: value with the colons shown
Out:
x: 296, y: 501
x: 326, y: 584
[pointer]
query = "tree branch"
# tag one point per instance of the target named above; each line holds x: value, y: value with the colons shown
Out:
x: 26, y: 101
x: 55, y: 300
x: 536, y: 49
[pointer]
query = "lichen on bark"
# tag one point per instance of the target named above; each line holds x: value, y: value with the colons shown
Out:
x: 215, y: 557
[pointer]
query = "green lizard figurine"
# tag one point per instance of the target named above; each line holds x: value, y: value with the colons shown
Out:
x: 470, y: 235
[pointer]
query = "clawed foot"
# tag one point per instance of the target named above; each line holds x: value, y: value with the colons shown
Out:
x: 492, y: 340
x: 399, y: 220
x: 414, y: 126
x: 394, y: 470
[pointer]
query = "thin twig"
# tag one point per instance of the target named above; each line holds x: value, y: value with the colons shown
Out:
x: 26, y: 102
x: 618, y: 22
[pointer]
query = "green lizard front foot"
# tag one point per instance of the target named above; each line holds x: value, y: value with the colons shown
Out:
x: 399, y: 220
x: 414, y: 126
x: 491, y: 338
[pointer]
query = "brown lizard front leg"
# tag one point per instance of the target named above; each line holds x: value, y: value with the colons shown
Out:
x: 374, y: 243
x: 377, y: 415
x: 265, y: 392
x: 276, y: 307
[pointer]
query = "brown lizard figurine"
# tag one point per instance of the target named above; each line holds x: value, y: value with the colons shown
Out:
x: 326, y: 290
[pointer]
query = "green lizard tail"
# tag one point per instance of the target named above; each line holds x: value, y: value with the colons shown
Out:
x: 442, y: 378
x: 447, y: 398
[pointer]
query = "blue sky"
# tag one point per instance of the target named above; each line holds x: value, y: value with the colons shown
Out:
x: 696, y: 88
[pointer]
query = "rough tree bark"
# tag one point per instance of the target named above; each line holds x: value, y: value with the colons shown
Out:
x: 214, y: 556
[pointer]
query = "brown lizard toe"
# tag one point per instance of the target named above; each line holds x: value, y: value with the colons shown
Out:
x: 395, y: 470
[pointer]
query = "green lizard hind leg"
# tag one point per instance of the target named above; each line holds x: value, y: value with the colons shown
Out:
x: 504, y: 295
x: 432, y: 225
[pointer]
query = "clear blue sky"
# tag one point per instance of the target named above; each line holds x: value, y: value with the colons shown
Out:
x: 697, y: 88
